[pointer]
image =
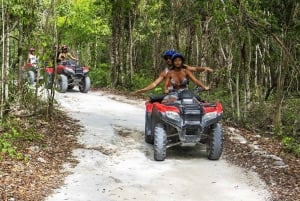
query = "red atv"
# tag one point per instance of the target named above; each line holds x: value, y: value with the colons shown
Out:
x: 32, y: 73
x: 69, y: 75
x: 187, y: 121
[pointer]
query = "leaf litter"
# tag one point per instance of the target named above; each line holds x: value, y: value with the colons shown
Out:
x: 41, y: 170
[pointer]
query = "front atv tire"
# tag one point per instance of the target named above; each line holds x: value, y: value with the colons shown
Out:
x: 48, y: 81
x: 160, y: 143
x: 214, y: 145
x: 85, y: 85
x: 31, y: 77
x: 148, y: 131
x: 62, y: 83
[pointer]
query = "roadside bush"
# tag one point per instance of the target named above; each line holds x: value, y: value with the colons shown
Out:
x: 260, y: 116
x: 6, y: 143
x: 100, y: 76
x: 290, y: 130
x: 12, y: 136
x: 220, y: 95
x: 140, y: 81
x: 291, y: 145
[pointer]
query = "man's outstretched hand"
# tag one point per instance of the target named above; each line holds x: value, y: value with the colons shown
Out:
x: 208, y: 69
x: 206, y: 88
x: 140, y: 91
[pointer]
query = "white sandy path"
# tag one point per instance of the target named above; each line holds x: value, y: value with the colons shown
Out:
x: 114, y: 168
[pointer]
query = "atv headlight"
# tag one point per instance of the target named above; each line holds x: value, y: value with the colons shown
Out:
x: 173, y: 115
x: 209, y: 116
x: 85, y: 70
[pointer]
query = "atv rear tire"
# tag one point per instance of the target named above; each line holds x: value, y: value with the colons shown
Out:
x: 214, y: 145
x: 85, y: 85
x: 148, y: 131
x: 160, y: 143
x: 62, y: 83
x: 31, y: 77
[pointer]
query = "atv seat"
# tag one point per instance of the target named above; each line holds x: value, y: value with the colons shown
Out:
x: 157, y: 98
x: 209, y: 104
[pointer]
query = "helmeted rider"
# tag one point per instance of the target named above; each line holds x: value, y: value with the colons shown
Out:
x: 32, y: 58
x: 177, y: 79
x: 65, y: 55
x: 167, y: 55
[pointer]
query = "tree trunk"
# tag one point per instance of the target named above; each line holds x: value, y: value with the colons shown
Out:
x: 130, y: 52
x: 197, y: 50
x: 280, y: 91
x: 5, y: 60
x: 237, y: 92
x: 154, y: 57
x: 247, y: 95
x: 256, y: 73
x: 20, y: 57
x: 278, y: 100
x: 51, y: 95
x: 189, y: 42
x: 228, y: 59
x: 114, y: 51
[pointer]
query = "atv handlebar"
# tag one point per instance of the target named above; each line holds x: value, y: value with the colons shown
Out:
x: 196, y: 90
x: 199, y: 89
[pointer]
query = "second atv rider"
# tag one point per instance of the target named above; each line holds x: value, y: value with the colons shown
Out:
x: 32, y: 58
x: 167, y: 56
x: 65, y: 55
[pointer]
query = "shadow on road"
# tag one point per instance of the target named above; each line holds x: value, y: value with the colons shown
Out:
x: 182, y: 153
x: 135, y: 139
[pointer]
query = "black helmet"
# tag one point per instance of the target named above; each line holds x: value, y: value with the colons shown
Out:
x: 177, y: 55
x: 64, y: 47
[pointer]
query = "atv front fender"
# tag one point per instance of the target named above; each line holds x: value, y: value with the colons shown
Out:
x: 210, y: 119
x: 49, y: 70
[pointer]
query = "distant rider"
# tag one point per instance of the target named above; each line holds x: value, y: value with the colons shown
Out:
x: 65, y: 55
x: 32, y: 58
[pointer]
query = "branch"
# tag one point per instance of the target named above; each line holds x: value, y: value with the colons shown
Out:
x: 13, y: 26
x: 255, y: 25
x: 11, y: 29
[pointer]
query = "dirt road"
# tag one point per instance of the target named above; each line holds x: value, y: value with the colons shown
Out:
x: 116, y: 164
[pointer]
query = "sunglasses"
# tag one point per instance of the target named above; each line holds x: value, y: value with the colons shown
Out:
x: 167, y: 57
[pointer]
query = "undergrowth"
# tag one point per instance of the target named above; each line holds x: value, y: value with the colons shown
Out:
x: 17, y: 126
x: 14, y: 135
x: 259, y: 118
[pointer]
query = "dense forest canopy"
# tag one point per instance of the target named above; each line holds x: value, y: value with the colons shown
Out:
x: 252, y: 45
